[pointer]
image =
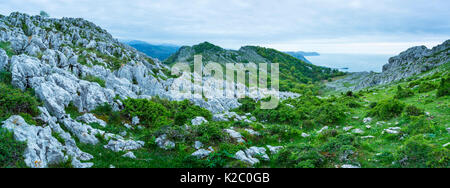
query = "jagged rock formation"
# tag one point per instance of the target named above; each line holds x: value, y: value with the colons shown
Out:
x: 411, y: 62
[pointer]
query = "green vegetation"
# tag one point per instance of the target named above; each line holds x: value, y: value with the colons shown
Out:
x: 387, y: 109
x: 444, y: 87
x: 294, y: 73
x: 7, y: 47
x: 299, y: 71
x: 98, y: 80
x: 14, y: 101
x: 11, y: 151
x: 403, y: 93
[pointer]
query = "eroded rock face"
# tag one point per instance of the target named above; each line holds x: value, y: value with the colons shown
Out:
x: 90, y: 118
x: 3, y: 60
x: 411, y: 62
x: 42, y: 148
x: 199, y: 121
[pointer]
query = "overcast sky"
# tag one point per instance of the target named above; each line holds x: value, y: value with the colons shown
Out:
x: 326, y: 26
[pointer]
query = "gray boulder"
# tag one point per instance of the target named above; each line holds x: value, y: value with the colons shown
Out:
x: 201, y: 153
x: 42, y: 148
x: 3, y: 60
x: 90, y: 118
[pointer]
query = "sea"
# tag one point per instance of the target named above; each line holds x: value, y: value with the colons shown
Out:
x: 352, y: 62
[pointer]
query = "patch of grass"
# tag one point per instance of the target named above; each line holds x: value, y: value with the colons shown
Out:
x: 98, y: 80
x: 11, y: 151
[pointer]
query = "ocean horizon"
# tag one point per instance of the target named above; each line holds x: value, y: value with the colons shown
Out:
x: 351, y: 62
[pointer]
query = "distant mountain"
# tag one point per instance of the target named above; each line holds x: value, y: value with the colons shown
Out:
x: 293, y: 71
x: 301, y: 55
x: 162, y: 52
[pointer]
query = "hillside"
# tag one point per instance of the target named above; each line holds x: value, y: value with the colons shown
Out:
x: 301, y: 55
x: 161, y: 52
x: 293, y: 71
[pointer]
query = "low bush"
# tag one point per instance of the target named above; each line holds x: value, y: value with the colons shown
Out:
x: 420, y: 153
x: 7, y: 47
x: 387, y: 109
x: 328, y: 113
x: 418, y: 125
x: 426, y: 87
x: 247, y: 105
x: 14, y: 101
x: 150, y: 113
x: 412, y: 110
x: 299, y: 156
x: 403, y: 93
x: 444, y: 87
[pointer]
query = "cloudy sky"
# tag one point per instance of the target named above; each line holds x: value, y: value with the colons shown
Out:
x: 326, y: 26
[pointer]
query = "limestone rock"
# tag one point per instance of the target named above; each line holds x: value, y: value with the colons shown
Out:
x: 164, y: 143
x: 235, y: 135
x: 201, y: 153
x: 129, y: 155
x: 42, y: 148
x: 198, y: 121
x: 90, y: 118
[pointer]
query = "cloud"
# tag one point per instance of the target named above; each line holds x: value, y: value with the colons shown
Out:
x: 284, y: 24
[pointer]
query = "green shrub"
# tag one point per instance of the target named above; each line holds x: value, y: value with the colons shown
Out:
x: 349, y: 101
x: 403, y: 93
x: 418, y: 125
x: 106, y: 113
x: 328, y: 113
x: 387, y: 109
x: 299, y: 156
x: 11, y: 151
x: 444, y: 87
x: 248, y: 105
x: 414, y: 83
x: 98, y: 80
x: 420, y: 153
x: 150, y: 113
x: 72, y: 110
x: 211, y: 133
x: 7, y: 47
x: 5, y: 77
x: 14, y: 101
x: 282, y: 114
x: 412, y: 110
x: 185, y: 110
x: 426, y: 87
x: 308, y: 125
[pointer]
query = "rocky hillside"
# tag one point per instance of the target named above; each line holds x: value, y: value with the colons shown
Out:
x: 407, y: 64
x: 411, y: 62
x: 293, y: 71
x: 55, y: 72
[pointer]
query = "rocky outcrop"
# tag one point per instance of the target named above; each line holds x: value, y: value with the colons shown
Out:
x: 42, y: 148
x: 90, y: 118
x: 411, y: 62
